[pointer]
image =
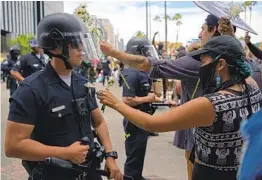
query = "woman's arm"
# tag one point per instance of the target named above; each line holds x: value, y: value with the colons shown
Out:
x: 196, y: 113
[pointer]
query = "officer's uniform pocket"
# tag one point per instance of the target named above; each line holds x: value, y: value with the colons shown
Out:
x: 60, y: 115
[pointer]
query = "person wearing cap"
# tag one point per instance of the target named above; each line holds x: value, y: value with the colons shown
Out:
x: 216, y: 116
x: 185, y: 69
x: 29, y: 63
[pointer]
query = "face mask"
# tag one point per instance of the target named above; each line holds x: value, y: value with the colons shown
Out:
x: 206, y: 75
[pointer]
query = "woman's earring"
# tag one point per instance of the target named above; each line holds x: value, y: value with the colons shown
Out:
x: 218, y: 80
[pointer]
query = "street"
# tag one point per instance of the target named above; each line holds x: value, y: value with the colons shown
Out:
x: 163, y: 161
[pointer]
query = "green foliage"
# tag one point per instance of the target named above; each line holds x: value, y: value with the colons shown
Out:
x: 177, y: 17
x: 23, y: 42
x: 140, y: 34
x: 82, y: 13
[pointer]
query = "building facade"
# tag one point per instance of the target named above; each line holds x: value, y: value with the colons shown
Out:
x: 121, y: 45
x: 109, y: 30
x: 22, y: 17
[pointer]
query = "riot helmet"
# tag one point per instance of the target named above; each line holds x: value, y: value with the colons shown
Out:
x: 141, y: 46
x: 60, y: 31
x: 14, y: 51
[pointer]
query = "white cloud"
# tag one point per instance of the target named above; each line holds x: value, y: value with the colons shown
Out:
x: 127, y: 19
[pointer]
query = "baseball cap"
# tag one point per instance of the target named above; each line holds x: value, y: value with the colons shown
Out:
x: 33, y: 43
x: 225, y: 45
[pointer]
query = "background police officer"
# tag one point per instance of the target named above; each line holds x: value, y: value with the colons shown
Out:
x: 52, y: 109
x: 29, y: 63
x: 8, y: 65
x: 139, y: 97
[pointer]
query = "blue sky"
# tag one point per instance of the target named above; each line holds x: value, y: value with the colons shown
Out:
x: 127, y: 17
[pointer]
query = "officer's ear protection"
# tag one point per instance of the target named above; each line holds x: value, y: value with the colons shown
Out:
x: 59, y: 43
x: 57, y: 37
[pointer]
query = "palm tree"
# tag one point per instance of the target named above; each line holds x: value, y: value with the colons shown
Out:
x: 249, y: 5
x: 245, y: 5
x: 177, y: 18
x: 253, y: 3
x: 166, y: 18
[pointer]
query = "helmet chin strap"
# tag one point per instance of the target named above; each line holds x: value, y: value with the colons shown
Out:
x: 64, y: 58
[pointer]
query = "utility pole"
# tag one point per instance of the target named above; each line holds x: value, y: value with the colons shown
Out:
x: 147, y: 19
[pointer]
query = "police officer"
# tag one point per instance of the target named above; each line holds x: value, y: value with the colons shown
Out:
x: 106, y: 69
x: 52, y: 109
x: 7, y: 67
x: 29, y: 63
x: 139, y: 97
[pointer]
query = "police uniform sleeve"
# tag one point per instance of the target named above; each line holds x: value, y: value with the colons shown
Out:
x: 132, y: 80
x: 23, y: 105
x: 93, y: 99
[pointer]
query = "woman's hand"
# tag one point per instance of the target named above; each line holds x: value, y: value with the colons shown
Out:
x: 107, y: 98
x: 247, y: 39
x: 106, y: 48
x: 225, y: 27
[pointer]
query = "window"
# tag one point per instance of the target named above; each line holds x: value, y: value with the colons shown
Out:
x: 3, y: 16
x: 9, y: 9
x: 12, y: 16
x: 26, y: 16
x: 15, y: 16
x: 34, y: 16
x: 20, y: 17
x: 31, y: 17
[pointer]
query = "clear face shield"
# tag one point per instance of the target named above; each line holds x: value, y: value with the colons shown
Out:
x: 83, y: 42
x: 148, y: 51
x: 151, y: 51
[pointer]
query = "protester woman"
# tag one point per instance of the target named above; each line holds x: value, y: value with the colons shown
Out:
x: 229, y: 99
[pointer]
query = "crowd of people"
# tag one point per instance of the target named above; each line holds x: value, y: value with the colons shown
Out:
x: 217, y: 91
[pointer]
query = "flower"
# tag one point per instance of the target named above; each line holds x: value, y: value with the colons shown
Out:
x: 234, y: 10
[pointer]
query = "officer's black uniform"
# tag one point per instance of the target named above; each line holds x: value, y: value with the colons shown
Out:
x: 61, y: 115
x: 8, y: 65
x: 4, y: 73
x: 140, y: 85
x: 136, y: 138
x: 29, y: 64
x: 48, y: 105
x: 106, y: 69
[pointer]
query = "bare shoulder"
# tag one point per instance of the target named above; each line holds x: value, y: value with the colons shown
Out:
x: 200, y: 110
x: 199, y: 103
